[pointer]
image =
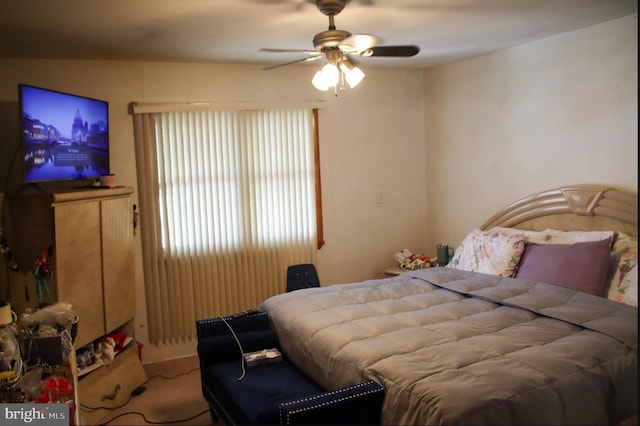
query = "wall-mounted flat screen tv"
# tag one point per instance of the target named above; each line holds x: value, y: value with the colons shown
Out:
x: 64, y: 136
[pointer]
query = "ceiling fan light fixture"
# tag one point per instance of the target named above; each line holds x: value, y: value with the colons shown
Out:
x: 332, y: 73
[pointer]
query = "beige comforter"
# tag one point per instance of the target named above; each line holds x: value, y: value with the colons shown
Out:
x: 455, y: 347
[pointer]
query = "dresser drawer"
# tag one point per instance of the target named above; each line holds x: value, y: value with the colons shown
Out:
x: 109, y: 386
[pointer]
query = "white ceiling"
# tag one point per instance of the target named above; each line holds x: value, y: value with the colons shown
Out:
x: 233, y: 31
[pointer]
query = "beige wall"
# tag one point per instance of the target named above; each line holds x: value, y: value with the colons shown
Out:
x: 372, y: 148
x: 409, y: 158
x: 555, y: 112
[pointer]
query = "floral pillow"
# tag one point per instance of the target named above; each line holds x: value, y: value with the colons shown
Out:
x: 624, y: 284
x: 489, y: 252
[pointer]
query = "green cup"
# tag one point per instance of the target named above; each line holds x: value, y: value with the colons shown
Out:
x: 442, y: 251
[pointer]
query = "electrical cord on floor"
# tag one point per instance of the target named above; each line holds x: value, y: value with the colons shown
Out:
x: 88, y: 408
x: 136, y: 392
x: 164, y: 422
x: 173, y: 377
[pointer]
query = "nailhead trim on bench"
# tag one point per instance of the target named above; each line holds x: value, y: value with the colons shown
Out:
x: 327, y: 403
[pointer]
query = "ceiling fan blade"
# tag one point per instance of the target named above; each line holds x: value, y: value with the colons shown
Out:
x: 309, y: 51
x: 359, y: 42
x: 392, y: 51
x: 310, y: 58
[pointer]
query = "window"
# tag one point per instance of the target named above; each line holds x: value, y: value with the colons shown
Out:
x: 228, y: 198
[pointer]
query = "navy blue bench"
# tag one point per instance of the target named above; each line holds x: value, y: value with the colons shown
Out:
x: 275, y: 393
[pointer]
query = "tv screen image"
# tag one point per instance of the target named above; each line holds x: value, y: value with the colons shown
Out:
x: 64, y: 136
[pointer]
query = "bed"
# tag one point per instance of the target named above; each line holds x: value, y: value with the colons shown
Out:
x: 516, y: 329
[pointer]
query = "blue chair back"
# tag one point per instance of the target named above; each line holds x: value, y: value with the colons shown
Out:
x: 302, y: 276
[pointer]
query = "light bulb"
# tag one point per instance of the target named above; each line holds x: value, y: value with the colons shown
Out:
x: 319, y: 82
x: 330, y: 74
x: 354, y: 76
x: 327, y: 77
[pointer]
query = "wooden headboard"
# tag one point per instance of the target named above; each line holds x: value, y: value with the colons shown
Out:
x: 572, y: 208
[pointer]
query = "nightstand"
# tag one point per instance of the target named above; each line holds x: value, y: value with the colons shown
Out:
x: 392, y: 271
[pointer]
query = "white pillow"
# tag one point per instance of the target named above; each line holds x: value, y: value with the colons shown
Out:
x: 489, y: 252
x: 555, y: 236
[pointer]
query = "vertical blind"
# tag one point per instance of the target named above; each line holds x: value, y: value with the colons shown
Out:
x: 227, y: 202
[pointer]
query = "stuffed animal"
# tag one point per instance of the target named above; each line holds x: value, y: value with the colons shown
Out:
x: 402, y: 256
x: 407, y: 260
x: 106, y: 350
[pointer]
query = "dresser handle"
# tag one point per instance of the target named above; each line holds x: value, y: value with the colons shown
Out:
x: 112, y: 395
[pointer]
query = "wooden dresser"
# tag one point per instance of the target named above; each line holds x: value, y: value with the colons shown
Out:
x: 93, y: 270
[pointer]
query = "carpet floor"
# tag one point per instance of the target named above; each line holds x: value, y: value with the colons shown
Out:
x: 172, y: 395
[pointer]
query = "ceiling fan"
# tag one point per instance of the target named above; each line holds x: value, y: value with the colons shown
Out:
x: 336, y: 45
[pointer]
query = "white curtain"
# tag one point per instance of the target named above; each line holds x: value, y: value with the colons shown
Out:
x: 227, y: 202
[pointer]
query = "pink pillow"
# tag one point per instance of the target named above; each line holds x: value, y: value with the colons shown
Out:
x: 579, y: 266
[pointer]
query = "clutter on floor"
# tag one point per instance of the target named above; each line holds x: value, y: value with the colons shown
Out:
x: 34, y: 356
